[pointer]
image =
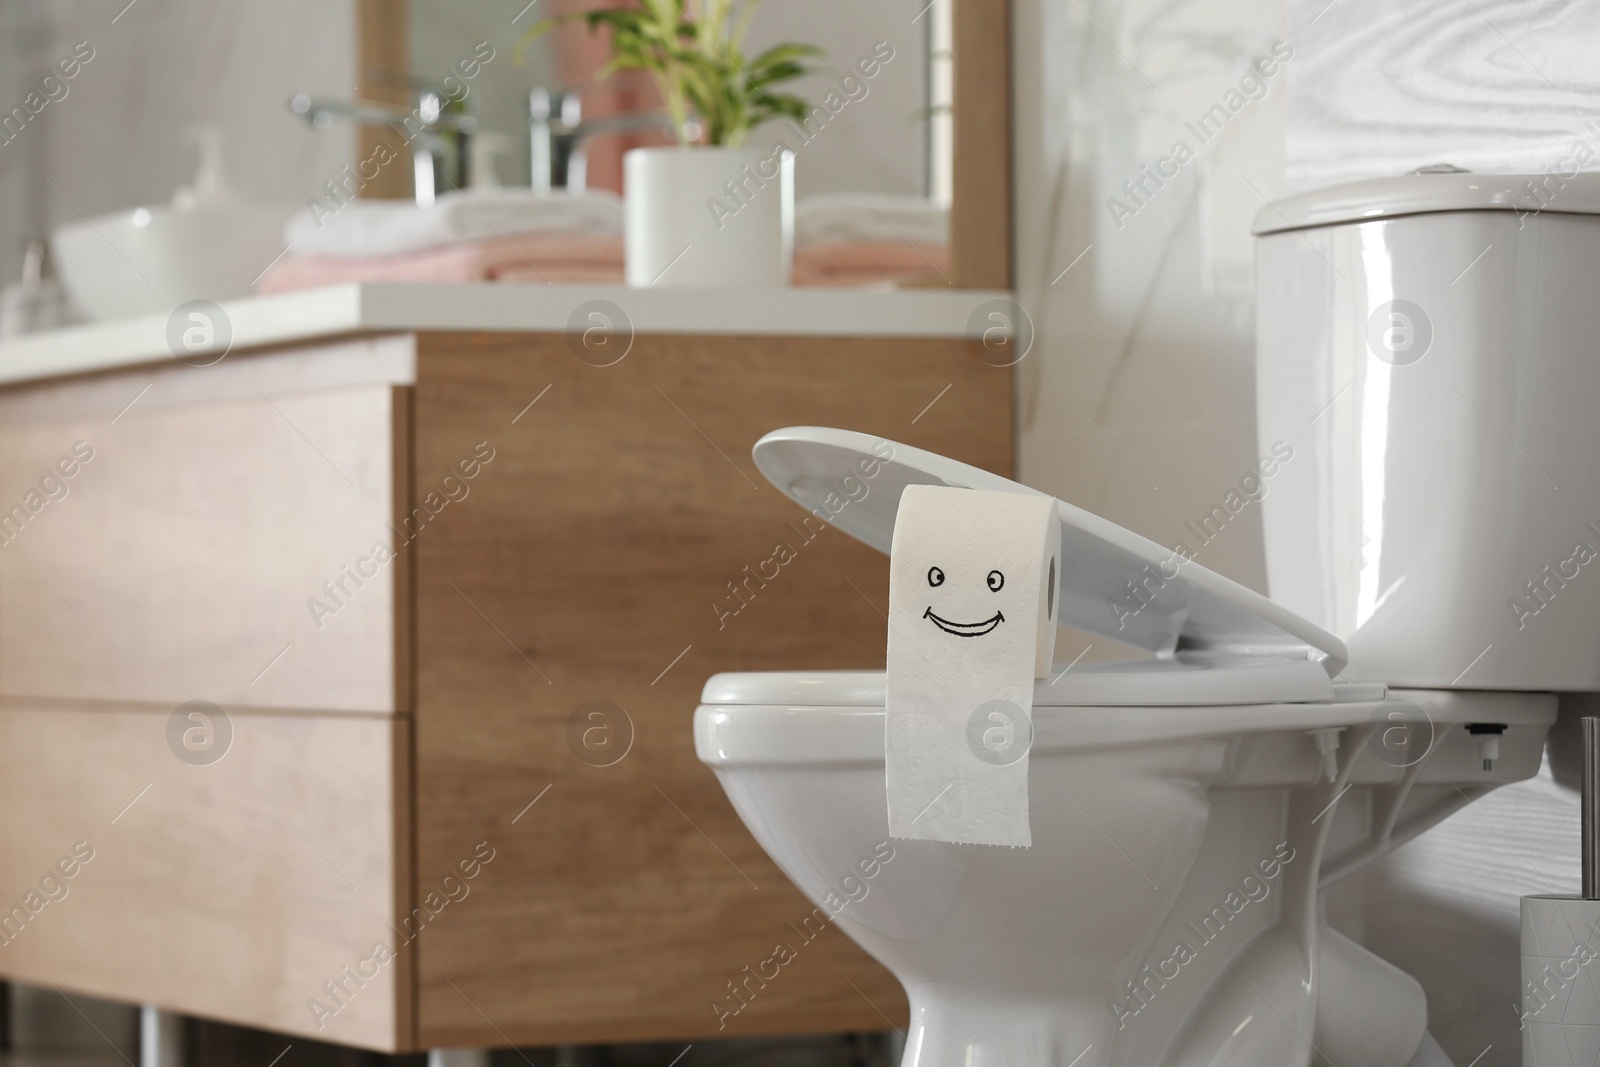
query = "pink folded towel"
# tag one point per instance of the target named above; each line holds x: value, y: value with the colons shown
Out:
x: 520, y: 257
x: 577, y: 258
x: 856, y: 263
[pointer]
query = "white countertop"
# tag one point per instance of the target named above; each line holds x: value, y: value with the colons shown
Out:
x: 503, y: 308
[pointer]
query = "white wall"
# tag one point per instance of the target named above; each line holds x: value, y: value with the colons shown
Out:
x: 877, y: 144
x: 1138, y: 400
x: 115, y: 139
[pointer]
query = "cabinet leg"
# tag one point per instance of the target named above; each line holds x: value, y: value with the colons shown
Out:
x: 894, y: 1048
x: 161, y: 1038
x: 458, y: 1057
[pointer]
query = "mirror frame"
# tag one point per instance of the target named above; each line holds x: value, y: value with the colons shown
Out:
x: 980, y: 197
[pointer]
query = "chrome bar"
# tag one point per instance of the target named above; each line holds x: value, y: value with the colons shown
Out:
x: 1591, y: 808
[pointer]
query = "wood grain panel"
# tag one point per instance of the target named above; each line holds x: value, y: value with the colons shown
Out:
x: 980, y: 205
x: 187, y: 553
x: 383, y: 59
x: 1378, y: 88
x: 231, y: 891
x: 584, y: 565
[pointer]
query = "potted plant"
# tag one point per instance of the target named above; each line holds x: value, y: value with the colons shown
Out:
x: 710, y: 210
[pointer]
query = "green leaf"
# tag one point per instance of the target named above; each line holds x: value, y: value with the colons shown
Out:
x: 786, y: 53
x: 698, y: 62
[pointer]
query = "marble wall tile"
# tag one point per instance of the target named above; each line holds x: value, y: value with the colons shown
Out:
x: 1386, y: 86
x: 1134, y: 257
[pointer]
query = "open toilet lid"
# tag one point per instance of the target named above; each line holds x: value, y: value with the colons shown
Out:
x: 1114, y: 583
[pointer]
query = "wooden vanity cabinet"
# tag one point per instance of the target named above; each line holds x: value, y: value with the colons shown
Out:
x: 393, y: 575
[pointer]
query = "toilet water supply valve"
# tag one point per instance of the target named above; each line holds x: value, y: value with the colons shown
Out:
x: 1488, y: 735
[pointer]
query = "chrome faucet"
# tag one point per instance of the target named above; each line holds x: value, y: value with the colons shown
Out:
x: 558, y: 132
x: 438, y: 131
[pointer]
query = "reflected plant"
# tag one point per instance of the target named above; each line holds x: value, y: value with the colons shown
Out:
x: 695, y: 53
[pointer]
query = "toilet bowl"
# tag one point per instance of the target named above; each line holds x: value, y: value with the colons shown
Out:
x: 1167, y: 910
x: 1190, y: 808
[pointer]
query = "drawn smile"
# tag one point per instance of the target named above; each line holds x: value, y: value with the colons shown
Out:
x: 965, y: 629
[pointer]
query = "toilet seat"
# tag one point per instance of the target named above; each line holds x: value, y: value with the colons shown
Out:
x: 1211, y: 641
x: 1166, y: 681
x: 804, y: 717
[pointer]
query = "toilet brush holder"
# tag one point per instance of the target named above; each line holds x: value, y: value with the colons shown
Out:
x: 1560, y: 1007
x: 1560, y: 980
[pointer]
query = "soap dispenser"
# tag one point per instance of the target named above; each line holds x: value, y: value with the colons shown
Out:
x: 1560, y: 1010
x: 210, y: 184
x: 485, y: 148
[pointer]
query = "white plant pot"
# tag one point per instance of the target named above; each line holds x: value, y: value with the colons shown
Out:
x: 709, y: 217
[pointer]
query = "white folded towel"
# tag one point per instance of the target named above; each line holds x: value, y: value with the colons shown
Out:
x: 873, y: 217
x: 366, y: 228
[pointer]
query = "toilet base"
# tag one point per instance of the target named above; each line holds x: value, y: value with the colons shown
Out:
x: 1364, y: 1011
x: 950, y: 1023
x: 1431, y: 1055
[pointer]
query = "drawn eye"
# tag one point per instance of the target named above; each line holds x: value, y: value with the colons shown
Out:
x: 935, y: 576
x: 996, y: 580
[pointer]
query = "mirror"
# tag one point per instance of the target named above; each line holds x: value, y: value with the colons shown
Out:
x: 887, y: 133
x: 874, y: 162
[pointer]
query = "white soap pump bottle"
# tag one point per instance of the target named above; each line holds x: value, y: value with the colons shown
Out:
x: 210, y: 184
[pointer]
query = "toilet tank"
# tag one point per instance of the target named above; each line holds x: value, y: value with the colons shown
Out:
x: 1428, y: 356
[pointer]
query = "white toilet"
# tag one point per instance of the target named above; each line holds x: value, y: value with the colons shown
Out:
x: 1426, y: 365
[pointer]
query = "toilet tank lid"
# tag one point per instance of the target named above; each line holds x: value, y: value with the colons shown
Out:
x: 1114, y: 582
x: 1428, y: 193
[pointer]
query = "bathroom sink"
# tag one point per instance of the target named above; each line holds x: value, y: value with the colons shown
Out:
x: 149, y: 260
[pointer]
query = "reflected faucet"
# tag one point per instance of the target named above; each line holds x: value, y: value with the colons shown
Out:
x: 558, y: 131
x: 437, y: 130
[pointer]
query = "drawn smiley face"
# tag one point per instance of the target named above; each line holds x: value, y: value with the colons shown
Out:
x: 995, y: 580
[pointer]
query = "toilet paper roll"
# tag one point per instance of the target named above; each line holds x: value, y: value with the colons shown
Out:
x: 972, y: 622
x: 1560, y: 980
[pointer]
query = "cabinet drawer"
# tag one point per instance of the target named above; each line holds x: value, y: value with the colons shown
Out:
x: 227, y: 536
x: 233, y: 890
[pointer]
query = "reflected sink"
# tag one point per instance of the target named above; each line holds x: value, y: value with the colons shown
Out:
x: 150, y: 260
